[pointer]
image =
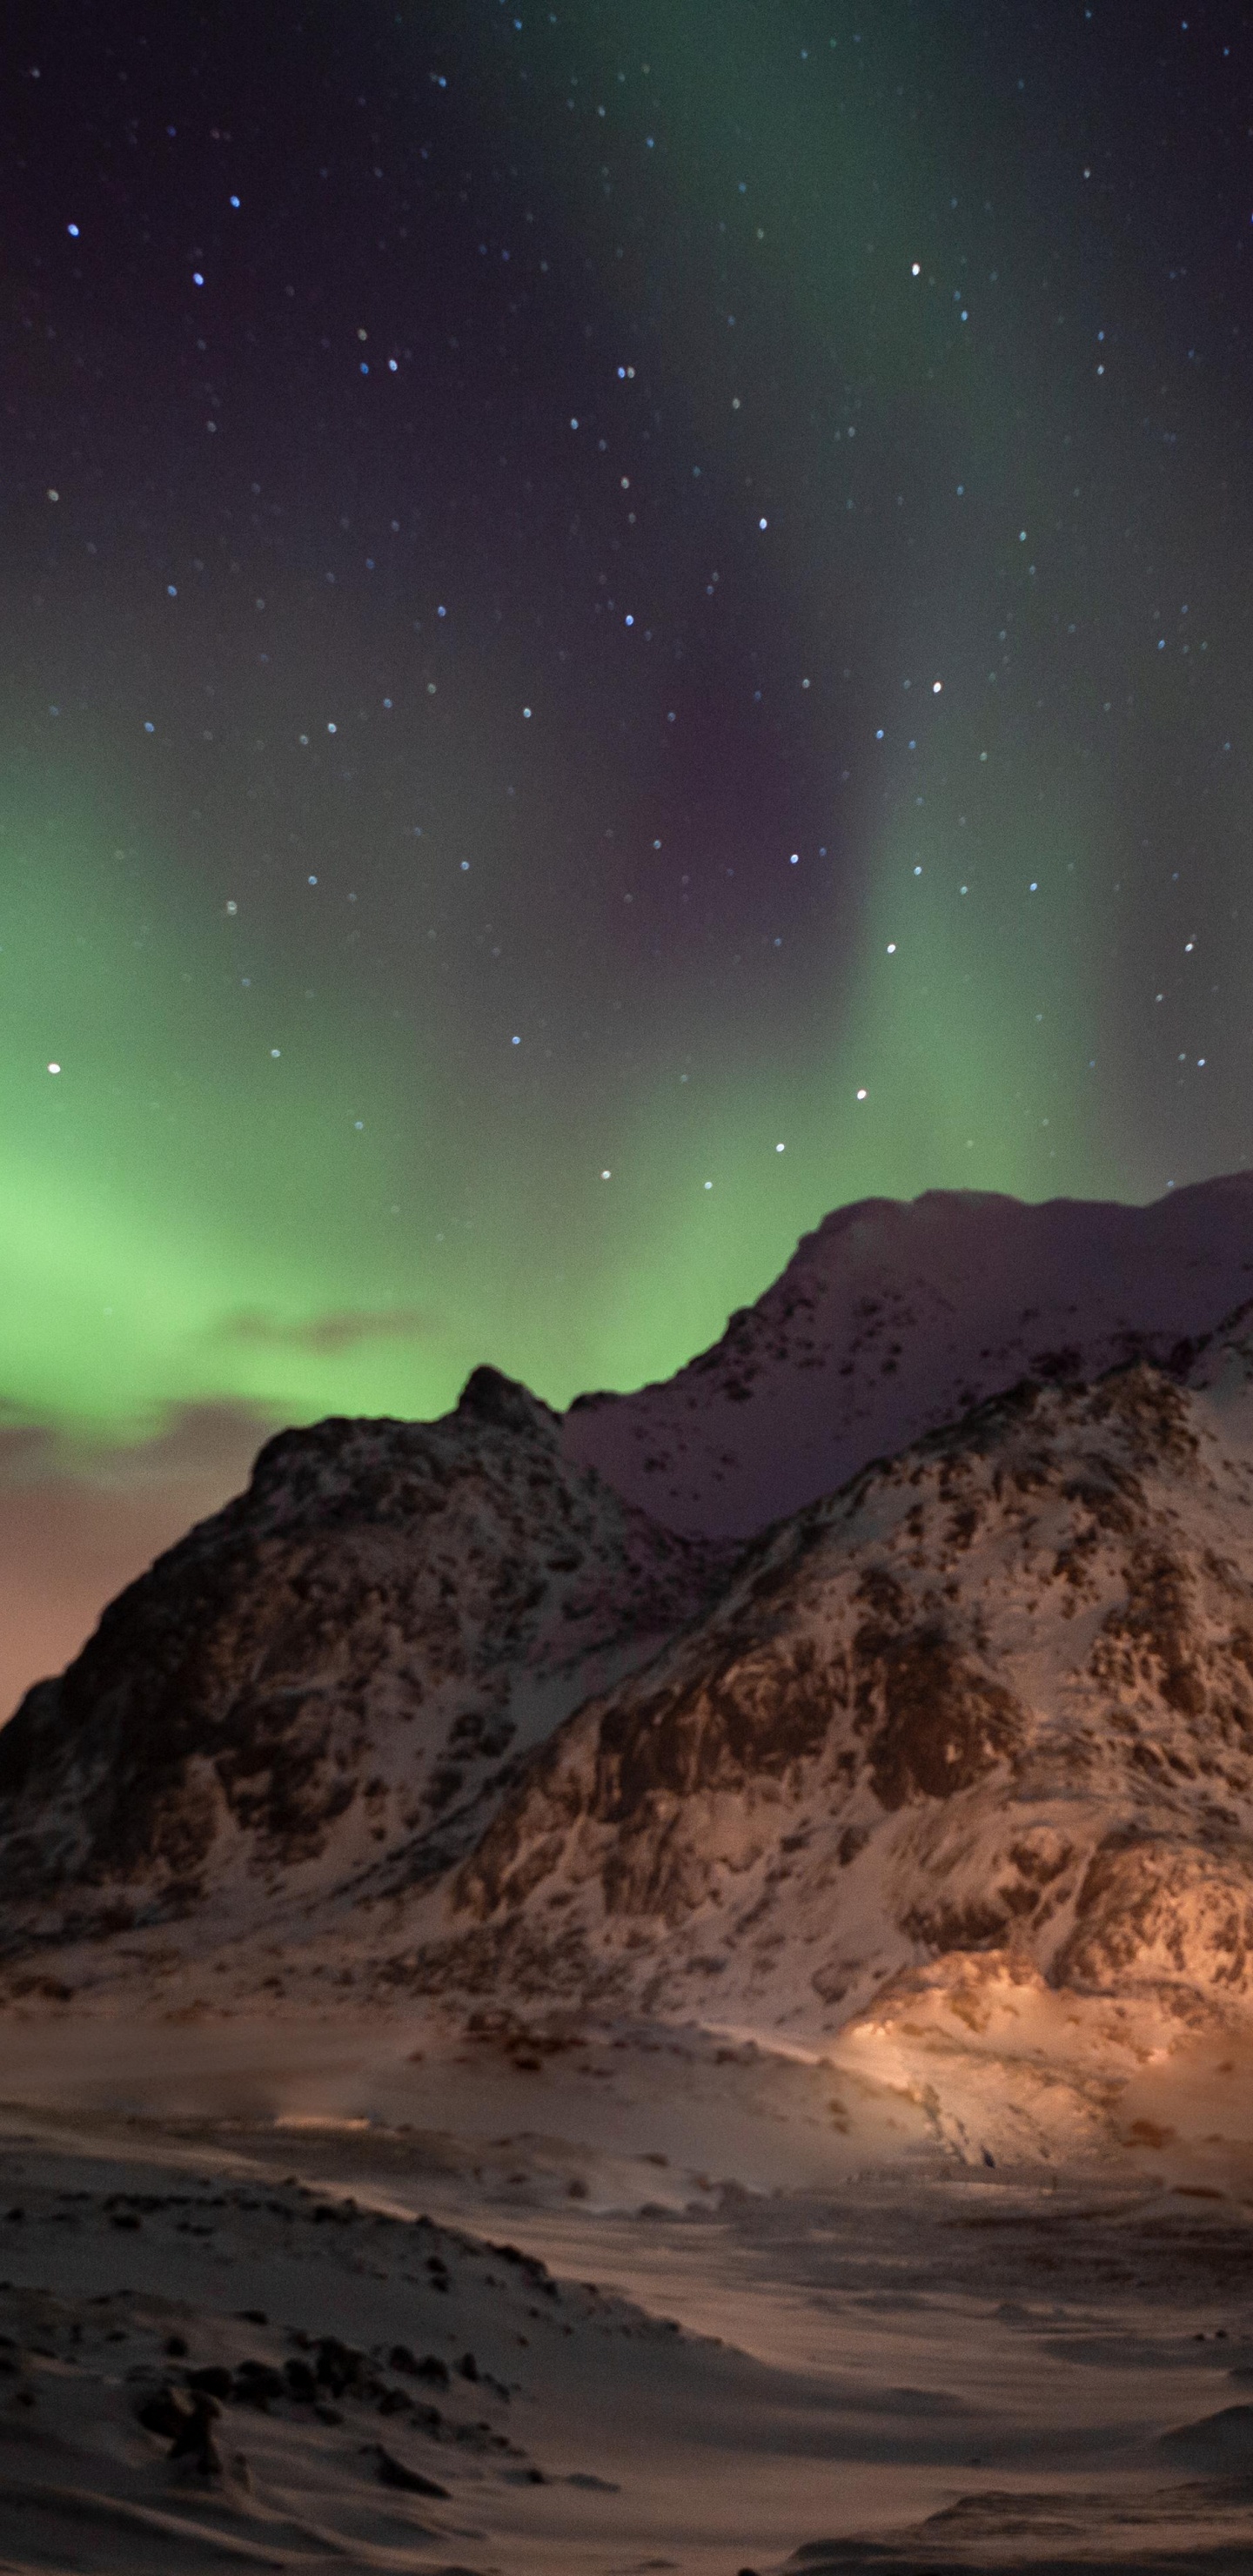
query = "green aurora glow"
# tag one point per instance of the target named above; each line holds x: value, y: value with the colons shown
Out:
x: 191, y: 1217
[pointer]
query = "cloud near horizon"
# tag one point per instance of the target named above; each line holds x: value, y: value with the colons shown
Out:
x: 331, y: 1333
x: 80, y: 1519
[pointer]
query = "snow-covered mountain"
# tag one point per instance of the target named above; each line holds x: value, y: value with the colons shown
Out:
x: 333, y: 1675
x: 894, y: 1318
x: 962, y: 1748
x: 995, y: 1697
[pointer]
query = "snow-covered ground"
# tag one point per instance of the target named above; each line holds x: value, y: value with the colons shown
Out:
x: 825, y: 2333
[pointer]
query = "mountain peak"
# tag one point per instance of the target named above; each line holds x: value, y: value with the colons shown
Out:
x: 330, y: 1679
x: 896, y: 1316
x: 453, y: 1715
x: 489, y: 1396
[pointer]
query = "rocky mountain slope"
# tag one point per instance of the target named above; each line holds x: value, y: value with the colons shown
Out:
x: 992, y: 1702
x: 333, y: 1675
x: 963, y: 1746
x: 894, y: 1318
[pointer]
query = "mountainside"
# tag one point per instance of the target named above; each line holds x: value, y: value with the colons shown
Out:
x: 331, y: 1676
x: 894, y: 1318
x: 996, y: 1698
x: 953, y: 1761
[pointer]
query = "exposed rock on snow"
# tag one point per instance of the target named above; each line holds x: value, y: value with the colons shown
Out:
x: 331, y: 1676
x: 893, y: 1318
x: 997, y: 1695
x: 969, y: 1736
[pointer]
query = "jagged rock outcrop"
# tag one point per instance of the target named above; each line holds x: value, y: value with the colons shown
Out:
x: 896, y: 1317
x: 330, y: 1678
x: 995, y: 1695
x: 439, y: 1707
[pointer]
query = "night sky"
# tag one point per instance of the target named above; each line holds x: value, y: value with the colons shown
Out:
x: 620, y: 624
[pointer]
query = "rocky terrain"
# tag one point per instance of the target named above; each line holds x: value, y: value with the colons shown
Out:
x: 890, y: 1320
x: 331, y: 1678
x: 992, y: 1701
x: 954, y: 1761
x: 894, y: 1318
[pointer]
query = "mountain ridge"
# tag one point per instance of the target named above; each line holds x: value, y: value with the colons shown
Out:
x: 435, y: 1717
x: 893, y: 1317
x: 341, y: 1660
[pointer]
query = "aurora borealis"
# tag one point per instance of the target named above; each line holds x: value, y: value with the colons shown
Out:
x: 620, y: 624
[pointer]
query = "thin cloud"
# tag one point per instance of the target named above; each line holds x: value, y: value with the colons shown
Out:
x: 327, y: 1334
x: 195, y: 1441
